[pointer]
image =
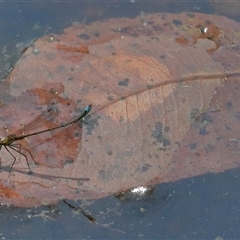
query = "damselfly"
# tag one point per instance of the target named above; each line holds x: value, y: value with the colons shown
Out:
x: 9, y: 141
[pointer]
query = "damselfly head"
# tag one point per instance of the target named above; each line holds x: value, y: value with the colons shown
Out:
x: 88, y: 108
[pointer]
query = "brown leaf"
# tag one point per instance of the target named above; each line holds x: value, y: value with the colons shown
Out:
x: 164, y: 91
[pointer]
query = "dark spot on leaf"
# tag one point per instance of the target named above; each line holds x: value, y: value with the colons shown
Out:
x: 177, y: 22
x: 157, y: 28
x: 50, y: 75
x: 90, y: 123
x: 38, y: 108
x: 146, y: 167
x: 201, y: 121
x: 96, y: 34
x: 70, y: 78
x: 124, y: 82
x: 237, y: 115
x: 166, y: 142
x: 50, y: 118
x: 76, y: 134
x: 197, y: 154
x: 84, y: 36
x: 207, y: 118
x: 149, y: 86
x: 228, y: 127
x: 160, y: 136
x: 109, y: 153
x: 158, y: 130
x: 203, y: 131
x: 162, y: 56
x: 104, y: 175
x: 193, y: 146
x: 110, y: 98
x: 194, y: 113
x: 85, y: 89
x: 218, y: 138
x: 229, y: 105
x: 68, y: 161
